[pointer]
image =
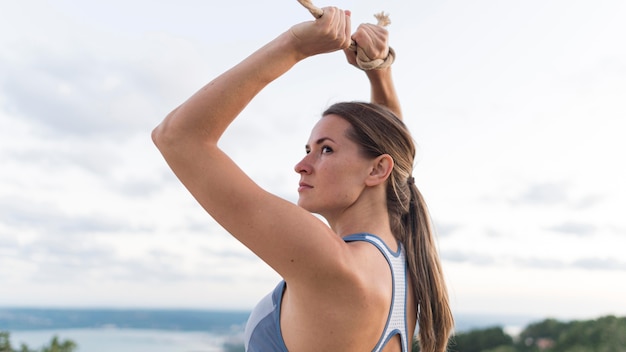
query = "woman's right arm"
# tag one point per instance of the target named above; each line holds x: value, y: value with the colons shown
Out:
x: 209, y: 111
x: 288, y: 238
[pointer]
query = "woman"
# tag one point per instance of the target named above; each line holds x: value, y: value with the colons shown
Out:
x: 347, y: 285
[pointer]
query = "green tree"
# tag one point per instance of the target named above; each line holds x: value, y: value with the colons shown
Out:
x: 5, y: 342
x: 416, y: 345
x: 606, y: 334
x: 55, y: 345
x: 60, y: 346
x: 539, y: 334
x: 492, y: 339
x: 480, y: 340
x: 503, y: 348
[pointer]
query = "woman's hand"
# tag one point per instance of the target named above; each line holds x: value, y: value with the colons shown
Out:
x: 372, y: 39
x: 329, y: 33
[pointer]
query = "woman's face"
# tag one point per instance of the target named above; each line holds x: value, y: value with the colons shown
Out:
x: 333, y: 172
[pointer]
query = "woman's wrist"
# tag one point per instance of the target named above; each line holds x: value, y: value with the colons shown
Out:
x: 383, y: 91
x: 288, y: 46
x: 379, y: 77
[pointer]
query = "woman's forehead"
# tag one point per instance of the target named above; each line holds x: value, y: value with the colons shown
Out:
x: 330, y: 126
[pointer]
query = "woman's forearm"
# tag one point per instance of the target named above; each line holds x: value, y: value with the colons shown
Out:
x: 208, y: 112
x: 383, y: 91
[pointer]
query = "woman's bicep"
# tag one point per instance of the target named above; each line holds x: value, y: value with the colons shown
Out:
x: 285, y: 236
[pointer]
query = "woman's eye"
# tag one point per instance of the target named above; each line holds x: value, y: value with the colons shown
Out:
x: 326, y: 149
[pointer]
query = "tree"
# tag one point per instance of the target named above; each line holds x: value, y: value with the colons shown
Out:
x: 492, y: 339
x: 543, y: 333
x: 502, y: 348
x: 606, y: 334
x: 480, y: 340
x: 5, y: 342
x: 55, y: 345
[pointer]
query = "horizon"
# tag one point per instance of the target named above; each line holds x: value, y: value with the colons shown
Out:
x: 24, y: 319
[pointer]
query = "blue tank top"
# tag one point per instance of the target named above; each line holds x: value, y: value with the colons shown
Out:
x: 262, y: 333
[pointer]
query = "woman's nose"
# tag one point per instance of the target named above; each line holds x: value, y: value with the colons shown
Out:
x: 303, y: 166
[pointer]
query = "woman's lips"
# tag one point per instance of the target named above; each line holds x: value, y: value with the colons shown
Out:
x: 304, y: 186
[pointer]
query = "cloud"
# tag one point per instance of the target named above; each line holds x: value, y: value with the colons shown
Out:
x: 534, y: 262
x: 69, y: 153
x: 539, y: 263
x: 61, y: 259
x: 54, y: 259
x: 468, y: 257
x: 557, y: 194
x: 590, y: 201
x: 227, y: 254
x: 82, y: 96
x: 86, y: 83
x: 203, y: 264
x: 545, y: 193
x: 597, y: 263
x: 48, y: 219
x: 575, y: 228
x: 445, y: 229
x: 157, y: 266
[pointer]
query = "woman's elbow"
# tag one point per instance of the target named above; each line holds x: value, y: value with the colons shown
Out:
x: 162, y: 133
x: 156, y: 135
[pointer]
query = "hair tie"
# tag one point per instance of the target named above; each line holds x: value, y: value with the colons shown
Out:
x: 410, y: 181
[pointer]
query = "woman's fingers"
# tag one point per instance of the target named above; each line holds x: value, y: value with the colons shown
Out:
x: 373, y: 40
x: 331, y: 32
x: 338, y: 28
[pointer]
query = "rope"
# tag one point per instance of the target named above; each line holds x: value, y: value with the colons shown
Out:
x: 362, y: 60
x: 314, y: 10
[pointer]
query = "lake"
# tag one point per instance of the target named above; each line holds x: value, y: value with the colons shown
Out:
x: 125, y: 340
x: 161, y: 330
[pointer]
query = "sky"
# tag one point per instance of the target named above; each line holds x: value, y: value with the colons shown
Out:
x: 518, y: 109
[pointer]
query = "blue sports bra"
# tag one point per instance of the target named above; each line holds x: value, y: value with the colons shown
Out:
x: 262, y: 333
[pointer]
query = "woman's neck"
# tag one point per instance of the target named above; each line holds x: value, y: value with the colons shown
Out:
x: 362, y: 218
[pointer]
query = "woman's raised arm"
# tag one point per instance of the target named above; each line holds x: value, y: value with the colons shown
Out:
x: 373, y: 40
x: 285, y: 236
x: 208, y: 112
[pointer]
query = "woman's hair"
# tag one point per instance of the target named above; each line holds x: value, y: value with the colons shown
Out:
x: 378, y: 131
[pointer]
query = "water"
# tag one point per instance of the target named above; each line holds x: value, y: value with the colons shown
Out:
x: 125, y: 340
x: 106, y: 330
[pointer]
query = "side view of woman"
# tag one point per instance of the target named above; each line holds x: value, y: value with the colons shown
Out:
x: 366, y: 278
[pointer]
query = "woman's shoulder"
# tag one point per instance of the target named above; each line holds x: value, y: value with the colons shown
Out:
x: 354, y: 309
x: 365, y: 278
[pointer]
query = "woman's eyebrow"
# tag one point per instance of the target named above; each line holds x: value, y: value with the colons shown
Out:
x: 320, y: 141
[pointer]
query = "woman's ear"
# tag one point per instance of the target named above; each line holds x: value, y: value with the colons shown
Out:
x: 382, y: 166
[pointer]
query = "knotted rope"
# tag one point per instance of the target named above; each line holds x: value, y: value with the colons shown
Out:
x: 362, y: 60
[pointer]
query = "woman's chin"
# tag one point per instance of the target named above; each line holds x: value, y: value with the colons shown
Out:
x: 304, y: 205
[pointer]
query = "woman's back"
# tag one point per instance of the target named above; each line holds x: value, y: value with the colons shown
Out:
x: 356, y: 316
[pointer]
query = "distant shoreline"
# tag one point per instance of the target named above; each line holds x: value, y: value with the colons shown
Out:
x: 218, y: 321
x: 210, y: 320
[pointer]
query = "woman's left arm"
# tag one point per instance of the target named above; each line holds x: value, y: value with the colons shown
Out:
x: 383, y: 91
x: 374, y: 41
